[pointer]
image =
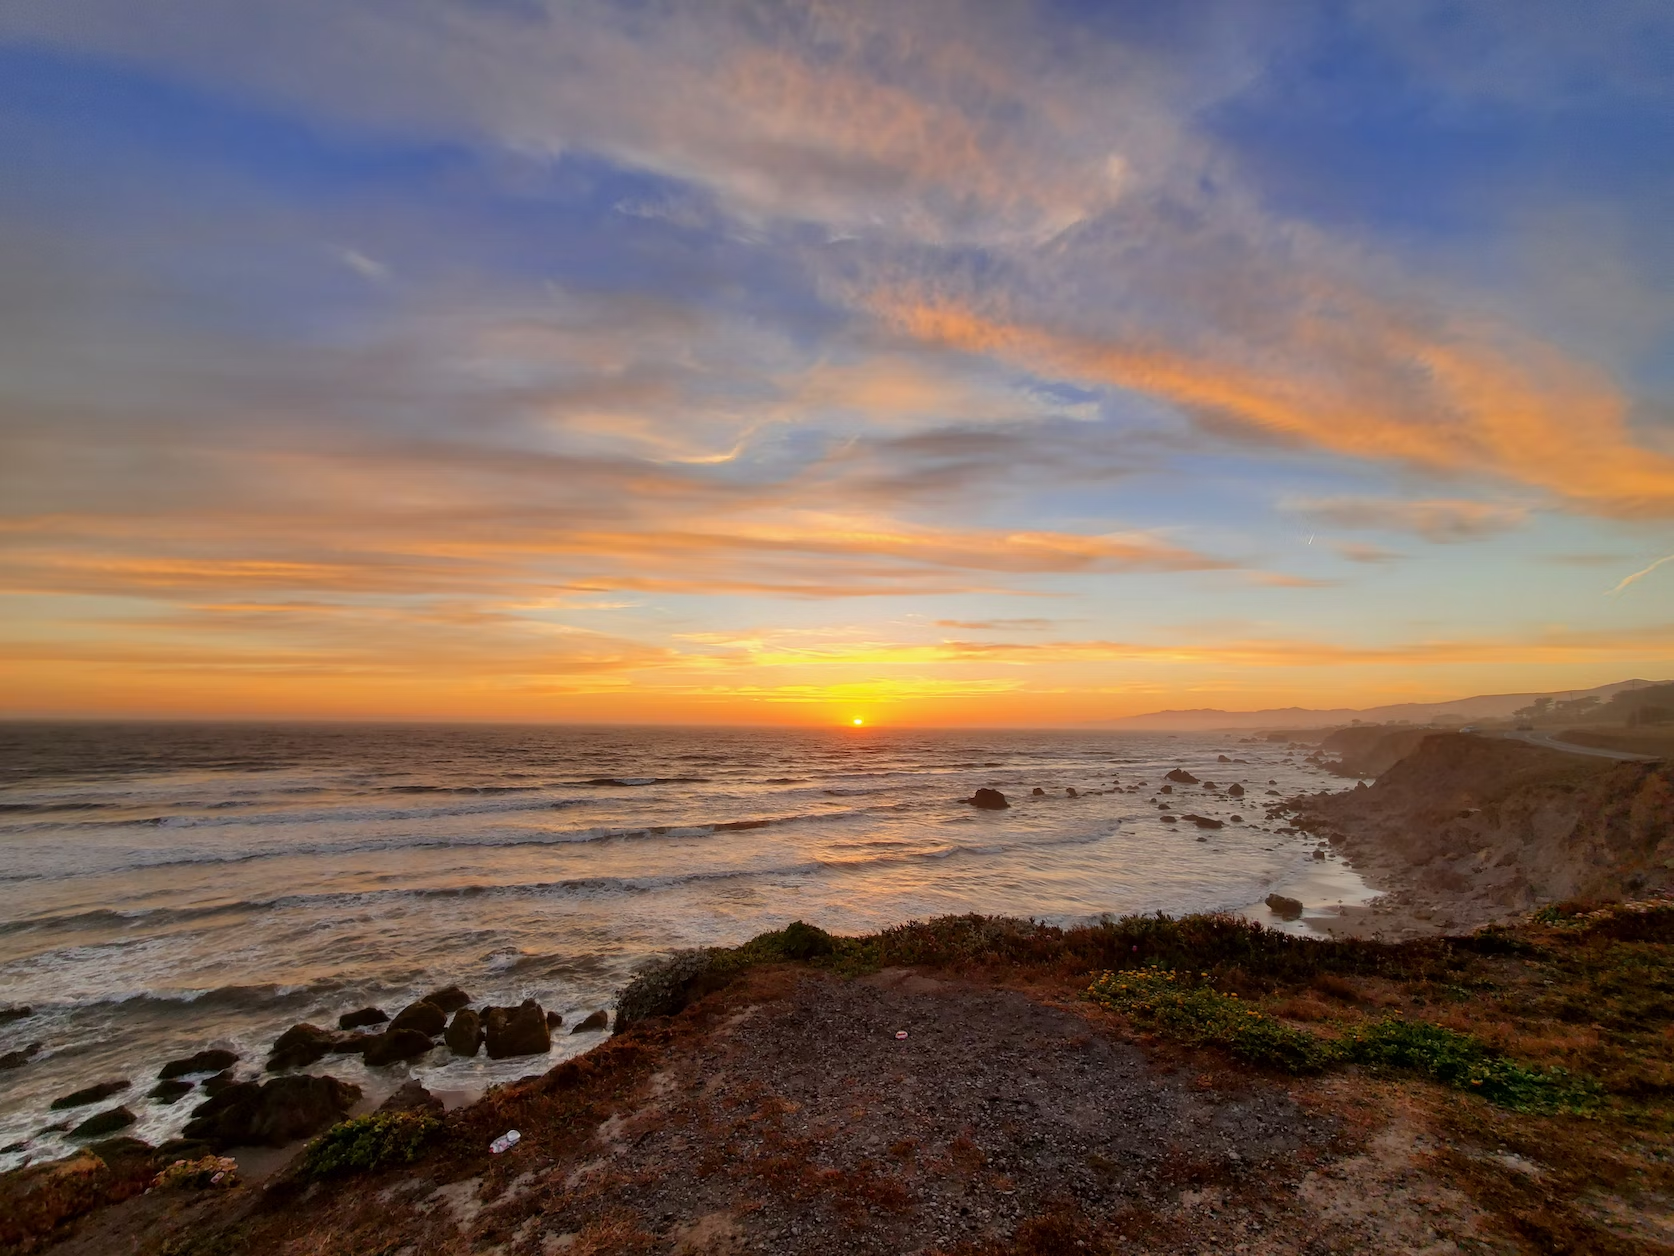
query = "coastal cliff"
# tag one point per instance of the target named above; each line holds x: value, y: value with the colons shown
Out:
x: 1484, y: 827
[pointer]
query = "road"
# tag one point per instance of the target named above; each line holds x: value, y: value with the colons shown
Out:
x: 1547, y: 740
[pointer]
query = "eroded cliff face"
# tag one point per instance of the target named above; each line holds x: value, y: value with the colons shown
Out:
x: 1507, y: 823
x: 1372, y: 750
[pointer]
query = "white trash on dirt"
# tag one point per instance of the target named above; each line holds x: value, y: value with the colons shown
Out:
x: 900, y: 1034
x: 505, y: 1142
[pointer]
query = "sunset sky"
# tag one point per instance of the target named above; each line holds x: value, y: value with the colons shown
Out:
x: 917, y: 362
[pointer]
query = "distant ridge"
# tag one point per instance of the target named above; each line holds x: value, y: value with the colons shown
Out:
x: 1481, y: 707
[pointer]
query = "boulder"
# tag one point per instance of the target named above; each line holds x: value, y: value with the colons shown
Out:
x: 300, y: 1046
x: 214, y: 1060
x: 1166, y: 789
x: 1205, y: 822
x: 423, y: 1016
x: 412, y: 1097
x: 1234, y: 791
x: 1169, y: 819
x: 1038, y: 792
x: 1221, y: 758
x: 168, y: 1091
x: 449, y: 998
x: 17, y: 1059
x: 598, y: 1020
x: 464, y: 1035
x: 1285, y: 908
x: 1319, y: 854
x: 989, y: 800
x: 1071, y: 792
x: 16, y: 1011
x: 394, y: 1045
x: 1236, y: 819
x: 1181, y: 776
x: 215, y: 1085
x: 271, y: 1115
x: 362, y: 1018
x: 520, y: 1030
x: 89, y: 1094
x: 352, y: 1044
x: 554, y: 1020
x: 102, y: 1123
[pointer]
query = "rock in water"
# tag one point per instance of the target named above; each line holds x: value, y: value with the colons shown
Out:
x: 352, y: 1044
x: 1221, y: 758
x: 88, y: 1094
x: 1038, y: 792
x: 168, y: 1091
x: 1181, y: 776
x: 394, y: 1045
x: 16, y: 1011
x: 1235, y: 791
x: 1166, y: 789
x: 412, y: 1097
x: 423, y: 1016
x: 283, y: 1110
x: 102, y: 1123
x: 1285, y: 908
x: 17, y: 1059
x: 449, y: 998
x: 598, y: 1020
x: 362, y: 1018
x: 215, y: 1085
x: 464, y: 1035
x: 989, y: 800
x: 1071, y: 792
x: 213, y: 1060
x: 554, y: 1020
x: 517, y: 1031
x: 300, y: 1046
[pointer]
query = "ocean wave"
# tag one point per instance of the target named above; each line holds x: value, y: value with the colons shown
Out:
x: 583, y: 886
x: 635, y: 781
x: 575, y: 837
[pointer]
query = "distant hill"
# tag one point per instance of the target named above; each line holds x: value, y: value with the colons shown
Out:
x: 1460, y: 710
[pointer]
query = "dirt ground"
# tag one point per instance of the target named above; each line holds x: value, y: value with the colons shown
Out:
x: 784, y: 1115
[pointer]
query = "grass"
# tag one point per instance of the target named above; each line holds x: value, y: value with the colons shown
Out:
x: 369, y: 1142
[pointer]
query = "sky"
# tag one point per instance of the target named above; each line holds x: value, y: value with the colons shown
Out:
x: 926, y: 363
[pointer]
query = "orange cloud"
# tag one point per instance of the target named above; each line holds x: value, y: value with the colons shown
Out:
x: 1372, y: 385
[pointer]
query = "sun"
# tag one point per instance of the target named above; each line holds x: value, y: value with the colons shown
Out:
x: 858, y: 721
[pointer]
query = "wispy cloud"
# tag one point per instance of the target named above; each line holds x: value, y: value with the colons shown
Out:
x: 1443, y: 521
x: 1639, y: 575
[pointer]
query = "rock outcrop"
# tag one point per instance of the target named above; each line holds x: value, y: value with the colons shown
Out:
x: 521, y: 1030
x: 1285, y: 908
x: 211, y: 1061
x: 412, y: 1097
x: 278, y: 1112
x: 89, y: 1094
x: 299, y: 1046
x: 20, y: 1057
x: 168, y: 1091
x: 362, y: 1017
x: 423, y: 1016
x: 464, y: 1034
x: 102, y: 1123
x: 1181, y: 776
x: 989, y: 800
x: 395, y: 1045
x: 596, y: 1021
x: 449, y: 998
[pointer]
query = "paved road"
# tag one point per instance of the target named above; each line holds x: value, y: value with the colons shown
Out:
x: 1546, y: 739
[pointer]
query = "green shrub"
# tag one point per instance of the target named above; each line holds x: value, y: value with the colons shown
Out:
x: 1464, y: 1061
x: 1197, y: 1013
x: 1201, y: 1015
x: 369, y: 1142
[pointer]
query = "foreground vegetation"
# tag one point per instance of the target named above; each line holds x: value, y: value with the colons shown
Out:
x: 1537, y: 1062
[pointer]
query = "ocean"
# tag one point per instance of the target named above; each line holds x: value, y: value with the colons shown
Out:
x: 169, y: 887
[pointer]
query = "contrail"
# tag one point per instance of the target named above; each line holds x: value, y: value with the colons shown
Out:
x: 1627, y: 580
